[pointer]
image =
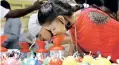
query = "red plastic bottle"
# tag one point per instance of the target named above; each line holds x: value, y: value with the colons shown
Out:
x: 41, y: 51
x: 3, y: 50
x: 41, y: 46
x: 57, y: 51
x: 24, y: 50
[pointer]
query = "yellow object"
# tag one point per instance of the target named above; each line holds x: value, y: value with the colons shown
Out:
x: 88, y: 59
x: 70, y: 61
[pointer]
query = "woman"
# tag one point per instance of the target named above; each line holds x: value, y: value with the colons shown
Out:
x: 91, y: 29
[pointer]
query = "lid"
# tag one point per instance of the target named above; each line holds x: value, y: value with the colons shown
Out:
x: 24, y: 46
x: 2, y: 49
x: 3, y: 38
x: 57, y: 40
x: 41, y: 46
x: 57, y: 48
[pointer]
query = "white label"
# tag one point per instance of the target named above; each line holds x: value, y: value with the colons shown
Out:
x: 57, y: 53
x: 41, y: 56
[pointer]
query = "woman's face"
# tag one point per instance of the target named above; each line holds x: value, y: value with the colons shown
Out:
x: 44, y: 35
x: 56, y: 27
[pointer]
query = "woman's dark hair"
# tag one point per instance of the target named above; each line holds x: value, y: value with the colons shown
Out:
x: 45, y: 13
x: 5, y: 4
x: 96, y: 2
x: 49, y: 11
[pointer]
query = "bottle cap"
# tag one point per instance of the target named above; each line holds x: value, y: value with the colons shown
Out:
x: 24, y: 46
x: 41, y: 46
x: 57, y: 40
x: 3, y: 38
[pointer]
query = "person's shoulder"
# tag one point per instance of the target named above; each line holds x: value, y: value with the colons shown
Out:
x: 1, y: 7
x: 33, y: 18
x: 34, y: 15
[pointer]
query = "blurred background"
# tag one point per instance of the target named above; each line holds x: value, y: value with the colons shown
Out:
x: 18, y: 4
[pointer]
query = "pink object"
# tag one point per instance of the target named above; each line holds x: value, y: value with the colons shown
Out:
x: 12, y: 61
